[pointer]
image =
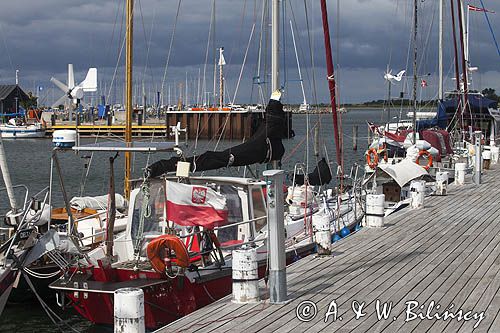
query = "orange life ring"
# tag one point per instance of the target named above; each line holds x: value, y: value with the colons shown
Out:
x: 161, y: 246
x: 372, y: 162
x: 429, y: 157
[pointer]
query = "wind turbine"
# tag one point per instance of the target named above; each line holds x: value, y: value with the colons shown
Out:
x: 74, y: 93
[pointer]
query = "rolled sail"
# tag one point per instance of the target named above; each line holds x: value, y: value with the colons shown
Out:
x: 264, y: 146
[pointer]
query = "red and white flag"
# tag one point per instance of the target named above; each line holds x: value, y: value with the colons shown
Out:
x: 195, y: 205
x: 423, y: 83
x: 478, y: 9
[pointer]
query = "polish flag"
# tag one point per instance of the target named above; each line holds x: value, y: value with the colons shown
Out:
x: 423, y: 83
x: 478, y: 9
x: 195, y: 205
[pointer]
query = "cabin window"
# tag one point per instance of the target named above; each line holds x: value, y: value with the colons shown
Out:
x: 259, y: 208
x: 235, y: 213
x: 153, y: 213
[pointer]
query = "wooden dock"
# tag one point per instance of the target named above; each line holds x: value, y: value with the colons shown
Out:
x: 424, y: 265
x: 232, y: 125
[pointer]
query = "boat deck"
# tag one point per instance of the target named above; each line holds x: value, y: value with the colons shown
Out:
x: 444, y: 257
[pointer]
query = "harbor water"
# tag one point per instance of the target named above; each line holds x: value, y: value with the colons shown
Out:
x: 29, y: 163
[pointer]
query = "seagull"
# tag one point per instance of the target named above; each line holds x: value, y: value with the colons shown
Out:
x: 391, y: 78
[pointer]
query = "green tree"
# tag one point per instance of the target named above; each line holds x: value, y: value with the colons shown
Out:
x: 30, y: 103
x: 490, y: 93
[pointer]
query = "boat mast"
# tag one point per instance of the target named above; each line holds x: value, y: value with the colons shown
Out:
x: 331, y: 82
x: 440, y: 85
x: 4, y: 168
x: 275, y: 78
x: 464, y: 60
x: 128, y: 94
x: 415, y: 25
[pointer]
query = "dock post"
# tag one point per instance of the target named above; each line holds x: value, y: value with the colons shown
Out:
x: 355, y: 137
x: 495, y: 152
x: 417, y: 194
x: 441, y: 182
x: 460, y: 169
x: 477, y: 157
x: 245, y: 276
x: 374, y: 210
x: 129, y: 310
x: 276, y: 236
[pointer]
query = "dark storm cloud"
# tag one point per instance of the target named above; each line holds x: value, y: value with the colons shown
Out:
x: 42, y: 37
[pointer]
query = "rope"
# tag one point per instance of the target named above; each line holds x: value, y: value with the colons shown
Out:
x: 170, y: 47
x: 41, y: 275
x: 489, y: 25
x: 58, y: 321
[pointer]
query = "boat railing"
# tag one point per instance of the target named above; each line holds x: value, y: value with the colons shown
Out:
x: 229, y: 226
x: 25, y: 221
x: 224, y: 226
x: 26, y: 192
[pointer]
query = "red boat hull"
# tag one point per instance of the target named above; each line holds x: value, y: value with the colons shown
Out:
x: 165, y: 302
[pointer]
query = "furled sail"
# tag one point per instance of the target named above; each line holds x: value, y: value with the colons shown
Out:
x: 321, y: 175
x: 264, y: 146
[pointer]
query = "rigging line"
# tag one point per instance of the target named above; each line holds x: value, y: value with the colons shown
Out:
x: 204, y: 84
x: 243, y: 64
x: 170, y: 46
x: 116, y: 68
x: 309, y: 39
x: 108, y: 49
x: 5, y: 45
x: 240, y: 32
x: 489, y: 25
x: 148, y: 41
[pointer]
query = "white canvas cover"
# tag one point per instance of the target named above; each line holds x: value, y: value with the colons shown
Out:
x: 404, y: 171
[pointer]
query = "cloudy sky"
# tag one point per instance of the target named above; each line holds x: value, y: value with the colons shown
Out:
x: 41, y: 37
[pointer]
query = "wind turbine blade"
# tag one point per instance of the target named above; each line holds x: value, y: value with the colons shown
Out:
x: 62, y: 100
x: 59, y: 84
x: 90, y: 82
x: 71, y: 77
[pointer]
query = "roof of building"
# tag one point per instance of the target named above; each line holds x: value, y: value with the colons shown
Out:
x: 6, y: 90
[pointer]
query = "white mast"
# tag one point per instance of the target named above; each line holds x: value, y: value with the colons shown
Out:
x: 6, y: 178
x: 440, y: 85
x: 466, y: 36
x: 222, y: 62
x: 275, y: 80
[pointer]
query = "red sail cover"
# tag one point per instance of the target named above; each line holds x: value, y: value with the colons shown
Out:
x: 195, y: 205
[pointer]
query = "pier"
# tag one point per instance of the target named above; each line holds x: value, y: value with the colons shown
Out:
x: 230, y: 125
x: 435, y: 269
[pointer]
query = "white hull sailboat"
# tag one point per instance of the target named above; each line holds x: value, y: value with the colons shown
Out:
x: 12, y: 131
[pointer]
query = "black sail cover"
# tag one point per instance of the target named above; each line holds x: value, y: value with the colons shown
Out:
x: 262, y: 147
x: 321, y: 175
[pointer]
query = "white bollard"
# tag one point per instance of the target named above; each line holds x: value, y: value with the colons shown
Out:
x: 441, y: 182
x: 460, y: 173
x: 129, y: 310
x: 374, y: 213
x: 322, y: 234
x: 417, y: 193
x: 245, y: 276
x: 486, y: 159
x: 495, y: 152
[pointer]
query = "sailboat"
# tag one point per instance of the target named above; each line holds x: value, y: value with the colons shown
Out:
x: 181, y: 229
